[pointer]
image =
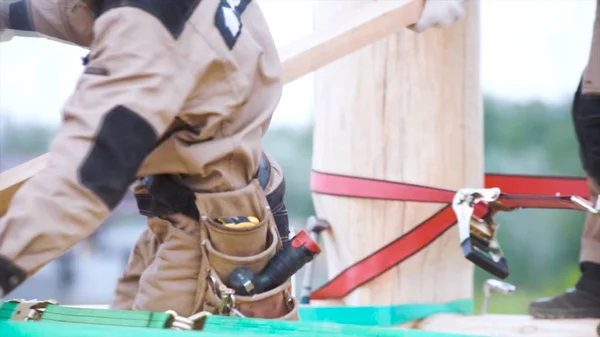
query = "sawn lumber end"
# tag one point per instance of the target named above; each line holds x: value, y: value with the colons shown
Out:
x: 11, y: 180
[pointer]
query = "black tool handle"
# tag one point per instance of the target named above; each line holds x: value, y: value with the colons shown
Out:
x: 286, y: 262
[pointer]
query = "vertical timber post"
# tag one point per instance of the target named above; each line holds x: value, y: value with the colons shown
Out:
x: 408, y: 109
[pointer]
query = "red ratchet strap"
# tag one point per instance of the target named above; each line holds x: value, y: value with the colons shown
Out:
x: 517, y: 191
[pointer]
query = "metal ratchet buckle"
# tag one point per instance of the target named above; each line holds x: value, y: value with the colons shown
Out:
x: 478, y: 239
x: 586, y: 205
x: 227, y: 305
x: 29, y: 309
x: 194, y: 322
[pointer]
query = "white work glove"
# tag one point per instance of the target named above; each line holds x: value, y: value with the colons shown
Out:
x: 439, y: 13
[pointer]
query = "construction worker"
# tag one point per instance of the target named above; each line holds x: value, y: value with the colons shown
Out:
x: 582, y: 301
x: 175, y: 99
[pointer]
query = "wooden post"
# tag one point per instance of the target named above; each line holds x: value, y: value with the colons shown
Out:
x: 407, y: 108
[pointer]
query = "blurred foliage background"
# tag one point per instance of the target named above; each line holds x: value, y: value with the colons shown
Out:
x: 542, y: 246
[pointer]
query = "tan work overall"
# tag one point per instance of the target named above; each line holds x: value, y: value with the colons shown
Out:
x: 590, y: 86
x: 199, y: 78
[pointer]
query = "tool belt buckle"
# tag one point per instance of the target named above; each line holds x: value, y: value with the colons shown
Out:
x: 29, y: 309
x: 478, y: 238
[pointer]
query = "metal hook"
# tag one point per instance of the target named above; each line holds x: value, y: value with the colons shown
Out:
x: 490, y: 286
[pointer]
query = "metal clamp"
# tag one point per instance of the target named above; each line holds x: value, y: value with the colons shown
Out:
x: 490, y: 286
x: 194, y: 322
x: 315, y: 226
x: 586, y: 204
x: 478, y: 239
x: 29, y: 309
x: 226, y: 306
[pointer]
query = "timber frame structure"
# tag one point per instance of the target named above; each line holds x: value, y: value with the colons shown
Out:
x: 359, y: 28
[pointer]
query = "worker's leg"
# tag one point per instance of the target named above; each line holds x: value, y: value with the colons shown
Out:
x: 140, y: 257
x: 584, y: 300
x: 590, y: 242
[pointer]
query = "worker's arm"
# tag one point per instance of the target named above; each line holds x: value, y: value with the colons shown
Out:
x: 135, y: 83
x: 69, y: 21
x: 439, y: 13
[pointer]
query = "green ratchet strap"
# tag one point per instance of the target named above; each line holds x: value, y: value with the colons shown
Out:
x: 216, y: 326
x: 59, y: 321
x: 364, y: 315
x: 56, y: 313
x: 382, y: 315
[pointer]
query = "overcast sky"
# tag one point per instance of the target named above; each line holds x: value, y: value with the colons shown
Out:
x: 530, y: 49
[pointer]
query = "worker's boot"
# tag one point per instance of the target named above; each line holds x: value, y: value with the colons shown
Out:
x: 583, y: 301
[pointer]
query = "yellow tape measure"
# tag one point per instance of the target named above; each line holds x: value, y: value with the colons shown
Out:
x: 239, y: 222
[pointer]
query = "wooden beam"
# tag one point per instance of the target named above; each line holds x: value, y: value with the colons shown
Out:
x: 509, y: 326
x: 355, y: 30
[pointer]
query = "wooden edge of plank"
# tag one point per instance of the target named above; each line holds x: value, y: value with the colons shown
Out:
x: 495, y: 325
x: 357, y: 29
x: 11, y: 180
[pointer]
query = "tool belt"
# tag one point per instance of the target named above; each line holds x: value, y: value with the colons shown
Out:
x: 168, y: 196
x: 195, y: 254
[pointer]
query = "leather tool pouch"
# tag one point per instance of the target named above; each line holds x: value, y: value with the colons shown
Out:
x: 224, y: 249
x: 196, y: 253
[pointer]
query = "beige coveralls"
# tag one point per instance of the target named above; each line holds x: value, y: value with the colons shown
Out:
x: 155, y: 65
x: 590, y: 92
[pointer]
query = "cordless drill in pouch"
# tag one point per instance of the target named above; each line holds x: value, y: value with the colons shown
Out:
x: 285, y: 263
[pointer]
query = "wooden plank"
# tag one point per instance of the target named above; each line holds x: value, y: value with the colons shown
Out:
x: 509, y: 326
x: 357, y: 28
x: 354, y: 30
